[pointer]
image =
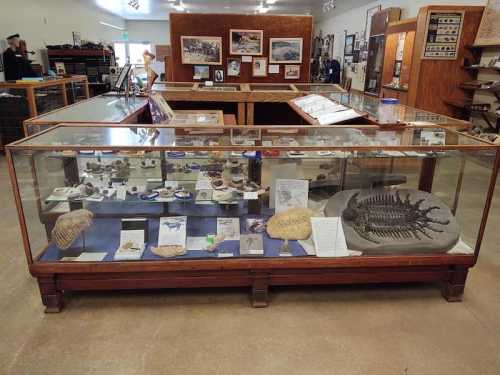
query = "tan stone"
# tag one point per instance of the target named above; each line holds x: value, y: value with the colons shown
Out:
x: 293, y: 224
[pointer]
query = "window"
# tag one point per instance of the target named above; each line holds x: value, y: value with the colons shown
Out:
x: 128, y: 51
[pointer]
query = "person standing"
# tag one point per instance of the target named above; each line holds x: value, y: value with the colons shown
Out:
x: 16, y: 66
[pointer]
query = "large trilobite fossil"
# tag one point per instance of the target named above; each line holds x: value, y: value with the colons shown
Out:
x: 394, y: 221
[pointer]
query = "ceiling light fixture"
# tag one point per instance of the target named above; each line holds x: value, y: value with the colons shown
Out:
x: 270, y: 2
x: 112, y: 26
x: 134, y: 4
x: 328, y: 6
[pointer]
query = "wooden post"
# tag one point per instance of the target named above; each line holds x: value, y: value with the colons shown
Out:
x: 30, y: 95
x: 51, y: 297
x: 427, y: 174
x: 64, y: 94
x: 241, y: 114
x: 250, y: 113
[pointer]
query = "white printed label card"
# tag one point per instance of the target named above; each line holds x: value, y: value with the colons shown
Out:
x: 172, y: 231
x: 291, y: 194
x: 228, y: 228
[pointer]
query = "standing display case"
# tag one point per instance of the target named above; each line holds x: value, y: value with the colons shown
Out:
x: 133, y: 207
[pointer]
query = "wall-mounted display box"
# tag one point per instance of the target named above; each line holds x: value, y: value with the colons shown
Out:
x: 400, y: 37
x: 106, y: 109
x: 376, y: 45
x: 133, y: 207
x: 21, y: 100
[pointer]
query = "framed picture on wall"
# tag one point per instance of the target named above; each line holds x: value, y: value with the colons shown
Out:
x: 292, y: 71
x: 285, y: 50
x: 259, y: 67
x: 233, y: 67
x: 202, y: 71
x: 368, y: 22
x: 203, y: 50
x: 246, y: 42
x: 219, y: 76
x: 349, y: 44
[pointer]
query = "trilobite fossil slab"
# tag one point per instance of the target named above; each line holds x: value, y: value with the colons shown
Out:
x: 394, y: 221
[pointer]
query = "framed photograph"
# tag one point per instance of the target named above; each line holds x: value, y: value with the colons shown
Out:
x: 246, y: 42
x: 349, y: 44
x: 259, y: 67
x: 202, y: 71
x: 202, y: 50
x: 397, y: 69
x: 233, y: 67
x: 285, y: 50
x: 219, y: 76
x: 368, y: 22
x: 60, y: 68
x: 489, y: 29
x: 292, y: 71
x: 77, y: 39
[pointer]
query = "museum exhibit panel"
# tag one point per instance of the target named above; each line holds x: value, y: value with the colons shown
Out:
x: 142, y: 206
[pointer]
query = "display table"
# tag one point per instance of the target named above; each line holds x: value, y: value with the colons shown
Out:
x: 106, y: 109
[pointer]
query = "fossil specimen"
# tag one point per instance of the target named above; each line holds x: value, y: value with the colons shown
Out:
x: 394, y: 221
x: 169, y: 251
x: 69, y: 226
x: 385, y: 215
x: 293, y: 224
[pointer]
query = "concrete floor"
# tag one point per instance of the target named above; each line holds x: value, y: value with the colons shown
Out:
x: 386, y: 330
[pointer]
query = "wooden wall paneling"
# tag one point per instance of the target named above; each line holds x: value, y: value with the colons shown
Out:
x: 433, y: 82
x: 274, y: 26
x: 407, y: 58
x: 391, y: 44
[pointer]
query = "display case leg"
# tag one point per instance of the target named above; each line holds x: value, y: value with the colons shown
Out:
x: 51, y: 297
x: 453, y: 288
x: 260, y: 293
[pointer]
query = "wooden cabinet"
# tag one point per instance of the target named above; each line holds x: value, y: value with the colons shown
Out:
x: 376, y: 44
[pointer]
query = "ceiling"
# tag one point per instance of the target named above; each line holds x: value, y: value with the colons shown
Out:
x: 160, y: 9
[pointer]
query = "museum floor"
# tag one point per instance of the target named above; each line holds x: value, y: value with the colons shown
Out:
x: 387, y: 330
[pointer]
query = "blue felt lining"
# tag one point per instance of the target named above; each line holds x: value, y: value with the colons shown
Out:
x: 104, y: 236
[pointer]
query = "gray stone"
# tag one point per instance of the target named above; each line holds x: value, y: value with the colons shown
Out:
x: 392, y: 230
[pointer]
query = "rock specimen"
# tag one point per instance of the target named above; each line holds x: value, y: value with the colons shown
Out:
x: 293, y: 224
x: 403, y: 221
x: 69, y: 226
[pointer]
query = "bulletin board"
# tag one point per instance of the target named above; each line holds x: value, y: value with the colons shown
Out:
x: 219, y: 25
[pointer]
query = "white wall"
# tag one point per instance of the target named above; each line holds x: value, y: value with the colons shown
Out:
x: 155, y: 32
x: 351, y: 17
x: 42, y: 22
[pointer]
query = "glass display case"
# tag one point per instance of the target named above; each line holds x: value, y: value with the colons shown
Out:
x: 126, y: 207
x: 111, y: 109
x: 395, y: 113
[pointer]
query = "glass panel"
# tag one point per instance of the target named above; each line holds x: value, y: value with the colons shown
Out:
x: 108, y: 108
x: 301, y: 138
x: 172, y: 86
x: 48, y: 98
x: 390, y: 204
x: 318, y: 88
x: 403, y: 113
x: 268, y: 87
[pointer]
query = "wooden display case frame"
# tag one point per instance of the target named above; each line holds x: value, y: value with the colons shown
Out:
x: 31, y: 86
x: 38, y: 120
x: 54, y: 279
x: 246, y: 97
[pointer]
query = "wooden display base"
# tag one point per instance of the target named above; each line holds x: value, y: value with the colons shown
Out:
x: 56, y: 278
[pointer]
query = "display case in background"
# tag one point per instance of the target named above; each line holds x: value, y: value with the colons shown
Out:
x: 133, y: 207
x: 106, y: 109
x: 251, y: 103
x: 25, y: 99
